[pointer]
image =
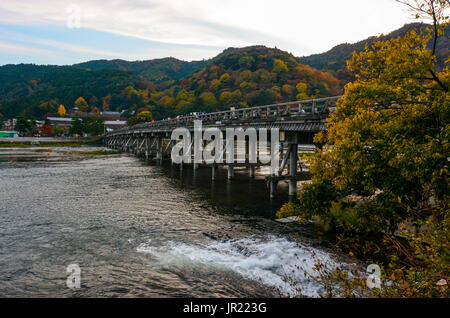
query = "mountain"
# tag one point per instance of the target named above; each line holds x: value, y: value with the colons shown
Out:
x: 334, y: 60
x: 156, y: 71
x: 168, y: 87
x: 34, y: 90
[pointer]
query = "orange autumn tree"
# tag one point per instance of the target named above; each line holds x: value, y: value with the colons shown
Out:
x: 81, y: 104
x: 61, y: 110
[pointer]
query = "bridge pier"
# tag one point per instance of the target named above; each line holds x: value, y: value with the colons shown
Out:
x: 251, y: 172
x: 293, y: 170
x: 159, y: 150
x: 230, y: 172
x: 213, y: 172
x: 272, y: 184
x: 297, y: 121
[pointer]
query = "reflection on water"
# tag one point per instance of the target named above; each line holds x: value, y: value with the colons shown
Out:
x: 141, y: 230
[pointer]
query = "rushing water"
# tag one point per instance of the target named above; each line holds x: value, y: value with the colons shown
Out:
x: 143, y: 230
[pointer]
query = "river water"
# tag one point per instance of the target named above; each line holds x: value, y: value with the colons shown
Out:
x: 141, y: 230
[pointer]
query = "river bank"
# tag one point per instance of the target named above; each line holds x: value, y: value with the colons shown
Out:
x: 26, y: 142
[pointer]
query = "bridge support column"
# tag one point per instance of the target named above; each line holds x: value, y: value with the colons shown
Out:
x: 293, y: 170
x: 230, y: 172
x: 159, y: 150
x: 213, y: 172
x: 147, y: 148
x: 251, y: 172
x: 272, y: 184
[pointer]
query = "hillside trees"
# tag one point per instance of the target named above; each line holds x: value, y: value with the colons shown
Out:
x: 237, y: 77
x: 61, y: 110
x: 23, y: 125
x: 81, y: 104
x: 302, y: 91
x: 49, y: 106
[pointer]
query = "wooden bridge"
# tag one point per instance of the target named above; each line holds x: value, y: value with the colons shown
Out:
x: 297, y: 123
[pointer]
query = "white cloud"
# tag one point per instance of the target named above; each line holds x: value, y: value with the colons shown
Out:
x: 300, y: 26
x: 20, y: 49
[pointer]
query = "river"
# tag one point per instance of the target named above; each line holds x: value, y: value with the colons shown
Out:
x: 141, y: 230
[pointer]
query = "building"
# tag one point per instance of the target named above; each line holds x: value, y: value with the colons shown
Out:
x: 61, y: 121
x: 110, y: 115
x: 111, y: 125
x: 9, y: 124
x: 66, y: 123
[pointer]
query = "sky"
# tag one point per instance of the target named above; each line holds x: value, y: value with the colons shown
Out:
x: 66, y: 32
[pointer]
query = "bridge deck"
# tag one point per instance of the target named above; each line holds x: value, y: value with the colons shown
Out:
x: 297, y: 122
x: 302, y: 116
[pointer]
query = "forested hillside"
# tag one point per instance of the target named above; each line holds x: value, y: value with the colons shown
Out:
x: 169, y: 87
x: 244, y: 77
x: 239, y: 77
x: 334, y: 61
x: 33, y: 90
x: 156, y: 71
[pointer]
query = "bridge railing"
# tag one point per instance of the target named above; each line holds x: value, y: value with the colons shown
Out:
x: 293, y: 110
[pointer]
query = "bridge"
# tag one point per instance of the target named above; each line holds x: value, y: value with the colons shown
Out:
x: 297, y: 123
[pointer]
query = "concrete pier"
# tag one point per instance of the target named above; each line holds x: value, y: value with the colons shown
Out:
x: 213, y: 172
x: 293, y: 170
x: 230, y: 172
x: 251, y: 172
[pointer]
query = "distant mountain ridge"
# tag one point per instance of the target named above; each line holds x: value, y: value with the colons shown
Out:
x: 253, y: 75
x: 156, y: 70
x: 334, y: 60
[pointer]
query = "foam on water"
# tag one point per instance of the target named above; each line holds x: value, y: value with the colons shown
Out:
x: 273, y: 261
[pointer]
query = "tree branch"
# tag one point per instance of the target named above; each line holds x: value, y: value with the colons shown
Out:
x: 436, y: 79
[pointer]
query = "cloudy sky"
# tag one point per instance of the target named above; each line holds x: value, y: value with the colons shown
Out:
x: 67, y: 32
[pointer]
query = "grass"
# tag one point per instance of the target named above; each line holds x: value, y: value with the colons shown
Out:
x: 28, y: 144
x: 7, y: 144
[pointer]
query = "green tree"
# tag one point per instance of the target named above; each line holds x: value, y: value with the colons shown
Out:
x: 23, y: 125
x: 77, y: 127
x: 287, y: 89
x: 302, y: 91
x: 246, y: 62
x: 226, y: 99
x: 144, y: 116
x: 389, y: 136
x: 279, y: 66
x: 106, y: 102
x: 185, y: 107
x: 225, y: 78
x: 49, y: 106
x: 93, y: 125
x: 209, y: 101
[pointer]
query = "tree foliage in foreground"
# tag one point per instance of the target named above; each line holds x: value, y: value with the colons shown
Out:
x: 389, y: 135
x: 383, y: 170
